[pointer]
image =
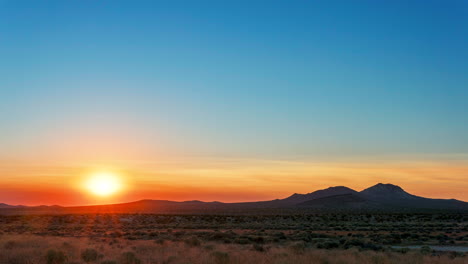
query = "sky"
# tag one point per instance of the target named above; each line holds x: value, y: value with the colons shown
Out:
x: 231, y: 100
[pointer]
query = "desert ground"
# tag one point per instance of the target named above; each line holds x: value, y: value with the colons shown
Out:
x: 307, y: 238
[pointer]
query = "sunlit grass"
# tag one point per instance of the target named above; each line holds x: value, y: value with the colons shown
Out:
x: 28, y: 249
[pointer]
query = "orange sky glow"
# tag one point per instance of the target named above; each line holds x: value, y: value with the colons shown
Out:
x: 227, y: 180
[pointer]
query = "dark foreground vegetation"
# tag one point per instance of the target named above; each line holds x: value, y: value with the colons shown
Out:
x: 302, y: 238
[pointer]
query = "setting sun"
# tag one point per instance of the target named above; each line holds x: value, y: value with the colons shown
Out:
x: 103, y: 183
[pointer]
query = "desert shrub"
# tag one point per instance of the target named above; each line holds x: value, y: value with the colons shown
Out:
x: 116, y: 234
x: 219, y: 236
x: 258, y: 239
x: 179, y: 234
x: 242, y: 241
x: 129, y: 258
x: 298, y: 247
x: 170, y: 259
x: 328, y: 245
x: 18, y: 259
x: 220, y: 257
x: 55, y: 257
x: 10, y: 244
x: 403, y: 250
x: 89, y: 255
x: 192, y: 241
x: 280, y: 235
x: 209, y: 247
x: 454, y: 254
x: 67, y: 245
x: 379, y: 259
x: 109, y: 262
x: 425, y: 250
x: 354, y: 243
x: 159, y: 241
x: 258, y: 247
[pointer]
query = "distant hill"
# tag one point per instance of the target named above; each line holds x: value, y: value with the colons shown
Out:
x: 390, y: 195
x: 386, y: 192
x: 331, y: 191
x: 342, y: 201
x: 382, y: 197
x: 3, y: 206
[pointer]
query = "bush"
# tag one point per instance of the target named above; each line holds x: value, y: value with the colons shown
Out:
x: 170, y: 259
x: 298, y: 247
x: 159, y: 241
x: 258, y: 248
x: 192, y: 241
x: 18, y: 259
x: 129, y: 258
x: 10, y: 245
x: 242, y: 241
x: 55, y: 257
x: 89, y: 255
x: 280, y: 235
x: 378, y: 259
x: 354, y: 243
x: 220, y: 257
x: 425, y: 250
x: 209, y: 247
x: 403, y: 250
x: 328, y: 245
x: 258, y: 239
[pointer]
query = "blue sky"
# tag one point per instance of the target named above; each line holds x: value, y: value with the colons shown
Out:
x: 241, y: 78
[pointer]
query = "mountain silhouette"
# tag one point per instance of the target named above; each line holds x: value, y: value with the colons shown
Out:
x: 3, y: 205
x: 389, y: 195
x: 386, y: 192
x: 331, y: 191
x: 342, y: 201
x: 381, y: 197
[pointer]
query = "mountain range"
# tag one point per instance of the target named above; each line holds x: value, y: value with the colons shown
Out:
x: 380, y: 197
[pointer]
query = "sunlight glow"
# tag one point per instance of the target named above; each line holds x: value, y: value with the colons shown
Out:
x: 103, y: 183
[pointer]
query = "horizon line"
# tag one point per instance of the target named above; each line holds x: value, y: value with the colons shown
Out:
x: 195, y: 200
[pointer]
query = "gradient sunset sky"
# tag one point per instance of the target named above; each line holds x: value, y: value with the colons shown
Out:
x: 231, y: 100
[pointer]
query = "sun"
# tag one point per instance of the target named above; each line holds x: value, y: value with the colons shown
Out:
x: 103, y: 183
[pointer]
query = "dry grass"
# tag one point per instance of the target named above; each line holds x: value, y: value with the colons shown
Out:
x: 27, y: 249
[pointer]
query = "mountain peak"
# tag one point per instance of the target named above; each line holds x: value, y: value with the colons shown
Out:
x: 387, y: 190
x: 388, y: 186
x: 338, y: 188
